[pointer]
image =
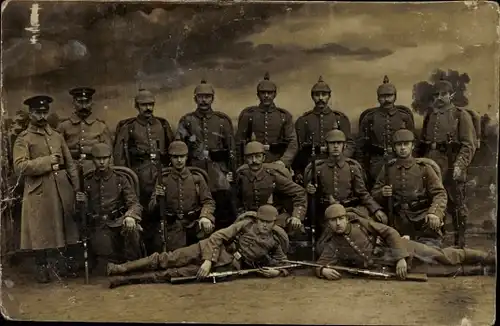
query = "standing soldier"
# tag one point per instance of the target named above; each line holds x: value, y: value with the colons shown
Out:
x: 189, y: 206
x: 209, y: 135
x: 140, y: 143
x: 43, y: 159
x: 341, y: 180
x: 448, y: 137
x: 313, y: 126
x: 418, y: 192
x: 273, y: 126
x: 81, y: 130
x: 376, y: 126
x: 261, y: 183
x: 112, y: 203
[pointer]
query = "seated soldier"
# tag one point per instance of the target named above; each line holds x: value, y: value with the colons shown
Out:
x: 189, y: 206
x: 419, y: 197
x: 353, y: 242
x: 249, y: 243
x: 113, y: 207
x: 341, y: 180
x: 260, y: 183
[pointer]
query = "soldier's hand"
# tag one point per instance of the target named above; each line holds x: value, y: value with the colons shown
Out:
x: 381, y: 217
x: 299, y: 178
x: 159, y: 191
x: 81, y: 197
x: 401, y: 269
x: 55, y: 158
x: 433, y: 221
x: 295, y: 223
x: 206, y: 225
x: 331, y: 274
x: 311, y: 189
x: 129, y: 223
x: 229, y: 177
x: 269, y: 272
x: 387, y: 191
x: 204, y: 269
x: 457, y: 173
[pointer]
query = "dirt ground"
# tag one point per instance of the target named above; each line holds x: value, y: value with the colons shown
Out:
x: 298, y: 299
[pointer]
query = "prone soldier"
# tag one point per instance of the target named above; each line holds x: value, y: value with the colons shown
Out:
x: 313, y: 126
x: 448, y: 137
x: 209, y: 135
x: 341, y: 180
x: 260, y: 183
x: 81, y: 130
x: 376, y: 126
x: 189, y: 206
x: 418, y: 192
x: 248, y: 243
x: 353, y: 242
x: 42, y: 158
x: 140, y: 143
x: 272, y: 125
x: 113, y: 206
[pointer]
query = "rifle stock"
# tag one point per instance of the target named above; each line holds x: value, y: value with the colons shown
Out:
x: 83, y: 218
x: 161, y: 200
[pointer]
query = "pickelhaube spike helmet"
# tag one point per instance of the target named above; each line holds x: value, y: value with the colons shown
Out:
x: 204, y: 88
x: 335, y: 211
x: 266, y: 85
x: 403, y: 135
x: 267, y: 213
x: 386, y: 88
x: 442, y: 85
x: 321, y: 86
x: 144, y: 96
x: 100, y: 150
x: 335, y: 135
x: 254, y: 147
x: 178, y: 147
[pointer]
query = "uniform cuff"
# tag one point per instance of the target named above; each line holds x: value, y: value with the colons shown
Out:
x: 299, y: 212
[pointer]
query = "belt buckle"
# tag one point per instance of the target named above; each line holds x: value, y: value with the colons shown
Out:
x: 152, y: 156
x: 180, y: 216
x: 105, y: 217
x: 389, y: 150
x: 205, y: 153
x: 237, y: 255
x: 405, y: 206
x: 83, y: 156
x: 433, y: 145
x: 267, y: 147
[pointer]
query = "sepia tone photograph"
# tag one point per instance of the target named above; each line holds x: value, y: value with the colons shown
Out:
x: 261, y: 162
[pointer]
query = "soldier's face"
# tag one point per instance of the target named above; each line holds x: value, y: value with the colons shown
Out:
x: 178, y: 161
x: 321, y: 98
x: 255, y: 161
x: 145, y: 109
x: 386, y: 100
x: 39, y: 118
x: 442, y: 99
x: 82, y: 104
x: 204, y: 101
x: 264, y: 227
x: 403, y: 149
x: 102, y: 163
x: 339, y: 224
x: 335, y: 148
x: 266, y: 97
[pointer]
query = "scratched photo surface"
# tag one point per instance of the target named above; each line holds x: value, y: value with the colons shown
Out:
x: 116, y: 48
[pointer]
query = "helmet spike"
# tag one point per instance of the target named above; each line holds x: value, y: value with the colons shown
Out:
x: 320, y: 79
x: 253, y: 137
x: 203, y: 81
x: 266, y: 75
x: 386, y: 79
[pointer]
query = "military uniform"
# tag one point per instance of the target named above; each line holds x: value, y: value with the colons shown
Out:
x: 376, y: 127
x: 111, y: 198
x: 417, y: 191
x: 49, y: 189
x: 237, y: 246
x: 81, y: 133
x: 187, y: 200
x: 449, y: 139
x: 272, y: 126
x: 358, y: 247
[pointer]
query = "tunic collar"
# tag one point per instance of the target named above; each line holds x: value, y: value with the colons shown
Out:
x: 75, y: 119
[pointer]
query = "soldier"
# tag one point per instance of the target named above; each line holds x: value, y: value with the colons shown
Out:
x: 141, y: 143
x: 260, y: 183
x: 82, y: 130
x: 189, y: 207
x: 210, y: 138
x: 419, y: 195
x: 273, y: 126
x: 248, y: 243
x: 353, y: 242
x: 313, y: 126
x: 113, y: 205
x: 43, y: 159
x: 341, y: 180
x: 448, y: 137
x: 376, y: 126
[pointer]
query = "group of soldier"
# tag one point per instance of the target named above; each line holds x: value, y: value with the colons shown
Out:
x: 210, y: 196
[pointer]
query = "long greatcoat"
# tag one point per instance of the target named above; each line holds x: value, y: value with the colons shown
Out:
x: 49, y: 196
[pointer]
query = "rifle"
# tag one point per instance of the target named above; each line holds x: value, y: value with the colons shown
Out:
x: 365, y: 272
x: 247, y: 138
x: 161, y: 200
x: 83, y: 216
x: 314, y: 179
x: 218, y: 275
x: 390, y: 208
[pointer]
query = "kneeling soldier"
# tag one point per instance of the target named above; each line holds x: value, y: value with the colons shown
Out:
x: 189, y: 206
x: 419, y: 195
x: 249, y: 243
x: 353, y: 242
x: 113, y: 205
